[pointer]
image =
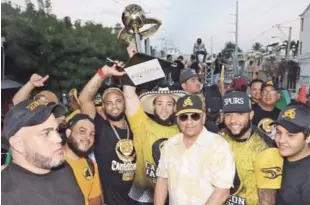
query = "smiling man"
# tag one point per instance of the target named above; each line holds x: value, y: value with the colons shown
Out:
x: 259, y: 165
x: 266, y: 108
x: 31, y: 179
x: 293, y: 139
x: 81, y: 137
x: 255, y: 90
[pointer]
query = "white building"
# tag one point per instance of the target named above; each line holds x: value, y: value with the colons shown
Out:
x: 304, y: 47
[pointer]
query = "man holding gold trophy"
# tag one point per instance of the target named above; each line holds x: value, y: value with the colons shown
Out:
x: 149, y: 134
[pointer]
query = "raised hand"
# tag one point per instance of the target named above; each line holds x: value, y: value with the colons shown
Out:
x: 131, y: 50
x: 112, y: 71
x: 38, y: 81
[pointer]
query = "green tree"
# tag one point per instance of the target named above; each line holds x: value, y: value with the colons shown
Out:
x: 229, y: 49
x: 69, y: 52
x: 257, y: 46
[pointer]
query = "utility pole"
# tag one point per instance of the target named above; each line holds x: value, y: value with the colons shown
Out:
x: 3, y: 58
x: 289, y: 42
x: 287, y: 53
x: 236, y: 23
x: 236, y: 39
x: 211, y: 50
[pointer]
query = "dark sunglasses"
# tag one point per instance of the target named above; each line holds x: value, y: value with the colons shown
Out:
x: 194, y: 116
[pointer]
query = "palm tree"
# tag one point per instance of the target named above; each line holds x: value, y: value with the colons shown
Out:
x: 229, y: 49
x: 257, y: 46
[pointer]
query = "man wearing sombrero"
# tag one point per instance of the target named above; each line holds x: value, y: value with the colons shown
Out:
x: 149, y: 134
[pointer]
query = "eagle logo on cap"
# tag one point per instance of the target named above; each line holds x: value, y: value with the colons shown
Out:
x: 290, y: 113
x: 188, y: 102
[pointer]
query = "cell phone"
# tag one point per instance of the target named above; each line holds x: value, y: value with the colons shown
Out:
x: 111, y: 62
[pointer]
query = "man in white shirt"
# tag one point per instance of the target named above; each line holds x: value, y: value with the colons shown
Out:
x: 199, y: 48
x: 196, y: 166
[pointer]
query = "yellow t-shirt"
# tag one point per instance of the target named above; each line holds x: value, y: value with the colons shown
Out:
x: 258, y: 166
x: 89, y: 184
x: 149, y: 138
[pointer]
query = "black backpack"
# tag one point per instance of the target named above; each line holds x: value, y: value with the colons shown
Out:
x: 213, y: 99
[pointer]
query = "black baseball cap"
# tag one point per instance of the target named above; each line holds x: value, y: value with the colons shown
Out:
x: 29, y: 113
x: 189, y: 103
x: 270, y: 84
x: 77, y: 117
x: 294, y: 118
x: 236, y: 101
x: 185, y: 75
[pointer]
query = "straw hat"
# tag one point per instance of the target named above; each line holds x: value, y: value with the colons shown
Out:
x: 49, y: 95
x: 147, y: 98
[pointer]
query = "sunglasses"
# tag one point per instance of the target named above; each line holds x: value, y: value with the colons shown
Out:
x: 271, y: 92
x: 194, y: 116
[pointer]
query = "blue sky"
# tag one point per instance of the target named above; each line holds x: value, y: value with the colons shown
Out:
x: 186, y: 20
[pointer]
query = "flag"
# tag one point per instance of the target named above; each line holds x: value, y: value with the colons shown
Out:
x: 302, y: 94
x: 222, y: 74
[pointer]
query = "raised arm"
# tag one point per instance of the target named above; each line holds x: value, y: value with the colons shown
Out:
x: 24, y: 93
x: 131, y: 100
x: 91, y: 88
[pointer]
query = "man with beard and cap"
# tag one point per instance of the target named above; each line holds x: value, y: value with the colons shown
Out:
x: 190, y: 82
x: 293, y: 140
x: 81, y: 136
x: 35, y: 175
x: 259, y: 164
x: 113, y: 148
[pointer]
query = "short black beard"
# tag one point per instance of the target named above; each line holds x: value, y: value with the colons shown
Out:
x: 168, y: 122
x: 73, y: 145
x: 115, y: 118
x: 242, y: 131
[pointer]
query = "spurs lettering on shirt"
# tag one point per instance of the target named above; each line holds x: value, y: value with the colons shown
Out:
x: 234, y: 101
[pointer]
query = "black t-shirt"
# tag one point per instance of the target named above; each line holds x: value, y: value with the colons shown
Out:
x: 295, y: 189
x: 260, y: 114
x: 217, y: 67
x: 116, y: 172
x: 22, y: 187
x: 195, y: 66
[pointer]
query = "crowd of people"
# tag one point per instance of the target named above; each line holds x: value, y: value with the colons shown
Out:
x: 186, y: 144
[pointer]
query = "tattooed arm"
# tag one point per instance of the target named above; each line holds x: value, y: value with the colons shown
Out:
x: 91, y: 88
x: 267, y: 196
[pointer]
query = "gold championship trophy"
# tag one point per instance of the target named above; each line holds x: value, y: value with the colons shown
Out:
x: 133, y: 18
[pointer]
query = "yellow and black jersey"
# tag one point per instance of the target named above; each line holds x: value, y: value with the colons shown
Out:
x: 259, y: 166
